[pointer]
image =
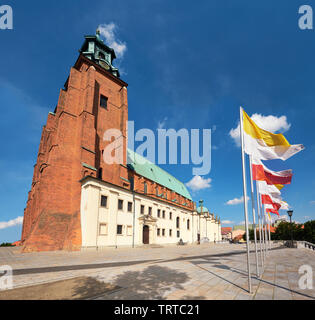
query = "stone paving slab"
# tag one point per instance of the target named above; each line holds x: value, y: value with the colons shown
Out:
x: 208, y: 271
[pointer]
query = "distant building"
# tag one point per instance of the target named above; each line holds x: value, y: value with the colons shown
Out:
x: 278, y: 221
x: 237, y: 233
x: 226, y: 233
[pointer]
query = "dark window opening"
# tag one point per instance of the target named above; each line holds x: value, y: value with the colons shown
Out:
x: 171, y: 232
x: 129, y: 206
x: 120, y: 204
x: 119, y: 229
x: 103, y: 101
x: 142, y: 209
x: 163, y: 232
x: 188, y: 224
x: 178, y: 234
x: 100, y: 173
x: 163, y: 214
x: 171, y: 216
x: 101, y: 55
x: 177, y: 222
x: 103, y: 201
x: 159, y: 213
x: 158, y: 232
x: 150, y: 211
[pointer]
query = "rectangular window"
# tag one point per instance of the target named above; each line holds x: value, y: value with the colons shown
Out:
x: 119, y: 229
x: 120, y: 204
x: 142, y: 209
x: 129, y: 206
x: 158, y: 232
x: 163, y: 214
x: 178, y: 234
x: 145, y: 188
x: 171, y: 216
x: 159, y: 213
x: 150, y: 211
x: 103, y: 201
x: 163, y: 232
x: 171, y: 231
x: 129, y: 230
x: 103, y: 229
x: 103, y: 101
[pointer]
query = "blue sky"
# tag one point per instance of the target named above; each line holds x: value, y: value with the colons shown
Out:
x: 188, y: 65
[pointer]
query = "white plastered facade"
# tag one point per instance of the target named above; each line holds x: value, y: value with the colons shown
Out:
x: 99, y: 223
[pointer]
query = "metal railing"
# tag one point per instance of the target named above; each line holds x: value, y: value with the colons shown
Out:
x: 305, y: 244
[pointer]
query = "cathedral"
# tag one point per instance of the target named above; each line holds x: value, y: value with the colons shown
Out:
x: 78, y: 201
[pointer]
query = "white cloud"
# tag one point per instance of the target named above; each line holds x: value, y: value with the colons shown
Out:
x: 242, y: 223
x: 198, y: 183
x: 227, y: 222
x: 108, y: 32
x: 270, y: 123
x: 161, y: 124
x: 236, y: 201
x: 11, y: 223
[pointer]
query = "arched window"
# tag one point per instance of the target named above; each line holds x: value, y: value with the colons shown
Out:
x: 188, y: 224
x: 177, y: 222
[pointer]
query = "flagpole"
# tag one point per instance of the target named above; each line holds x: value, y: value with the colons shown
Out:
x: 262, y: 225
x: 269, y: 233
x: 266, y: 237
x: 254, y: 213
x: 245, y: 201
x: 259, y: 222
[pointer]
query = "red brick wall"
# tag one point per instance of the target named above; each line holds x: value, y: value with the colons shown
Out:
x: 74, y: 135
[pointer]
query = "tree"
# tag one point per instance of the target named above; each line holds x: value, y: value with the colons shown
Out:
x: 309, y: 231
x: 6, y: 244
x: 284, y: 229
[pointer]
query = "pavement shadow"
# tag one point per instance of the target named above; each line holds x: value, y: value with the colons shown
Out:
x: 152, y: 283
x: 242, y: 274
x: 68, y: 289
x: 198, y: 264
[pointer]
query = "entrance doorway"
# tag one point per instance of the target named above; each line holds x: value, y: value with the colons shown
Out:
x: 146, y: 234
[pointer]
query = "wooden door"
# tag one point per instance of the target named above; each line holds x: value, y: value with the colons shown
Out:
x: 145, y: 234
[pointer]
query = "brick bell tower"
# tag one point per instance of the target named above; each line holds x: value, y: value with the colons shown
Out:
x: 93, y: 100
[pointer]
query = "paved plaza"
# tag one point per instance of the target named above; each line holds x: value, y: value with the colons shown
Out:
x: 208, y: 271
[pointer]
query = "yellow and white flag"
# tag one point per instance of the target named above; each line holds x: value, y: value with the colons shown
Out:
x: 266, y: 145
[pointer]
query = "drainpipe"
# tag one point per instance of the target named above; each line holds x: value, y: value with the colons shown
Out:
x: 134, y: 212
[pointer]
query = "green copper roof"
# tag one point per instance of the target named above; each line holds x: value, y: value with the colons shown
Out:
x: 150, y: 171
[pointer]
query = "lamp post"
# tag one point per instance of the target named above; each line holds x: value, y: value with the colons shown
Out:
x: 201, y: 211
x: 290, y: 213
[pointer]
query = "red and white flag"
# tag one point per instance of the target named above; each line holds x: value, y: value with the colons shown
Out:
x: 262, y: 173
